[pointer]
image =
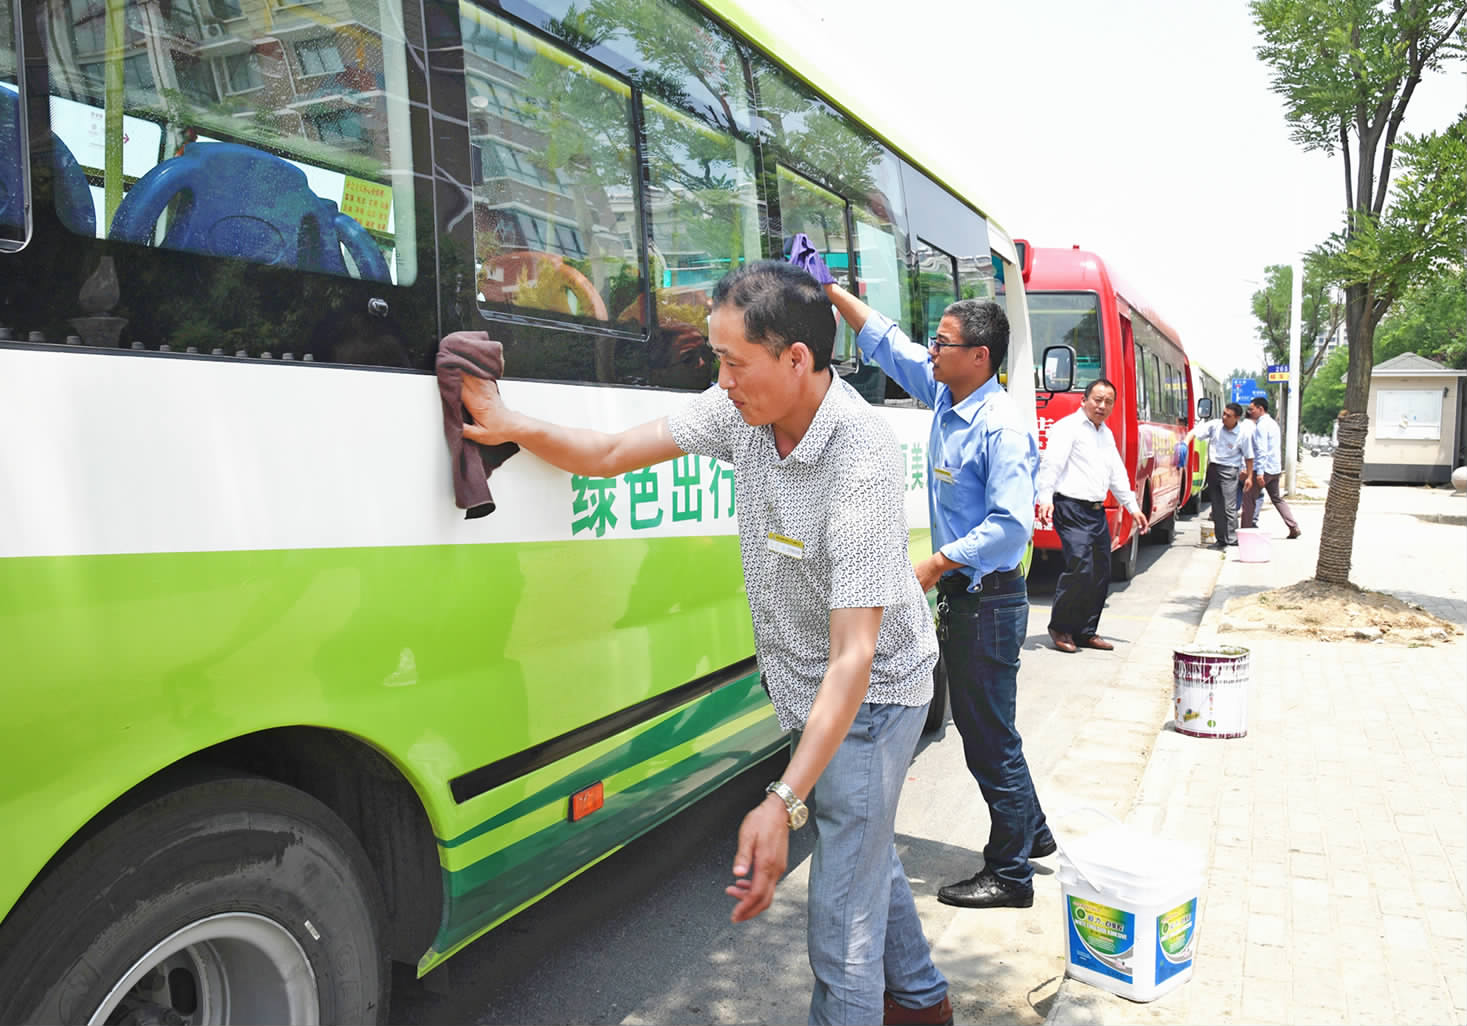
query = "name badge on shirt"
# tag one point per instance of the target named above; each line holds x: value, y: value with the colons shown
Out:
x: 943, y: 474
x: 785, y: 546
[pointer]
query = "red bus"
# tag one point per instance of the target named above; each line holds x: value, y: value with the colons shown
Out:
x: 1077, y: 300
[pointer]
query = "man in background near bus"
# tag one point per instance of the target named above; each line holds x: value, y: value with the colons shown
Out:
x: 1225, y: 462
x: 1268, y: 448
x: 980, y: 476
x: 1080, y: 464
x: 841, y: 629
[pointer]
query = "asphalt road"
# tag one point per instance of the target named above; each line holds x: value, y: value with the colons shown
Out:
x: 645, y: 937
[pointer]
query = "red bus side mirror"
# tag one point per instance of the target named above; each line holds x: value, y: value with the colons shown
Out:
x: 1026, y: 258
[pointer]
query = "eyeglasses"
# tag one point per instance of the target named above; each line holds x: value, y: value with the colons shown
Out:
x: 937, y: 343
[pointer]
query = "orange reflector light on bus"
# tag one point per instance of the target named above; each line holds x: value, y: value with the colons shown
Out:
x: 586, y: 801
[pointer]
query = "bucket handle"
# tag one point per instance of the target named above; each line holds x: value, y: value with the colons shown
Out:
x: 1060, y: 844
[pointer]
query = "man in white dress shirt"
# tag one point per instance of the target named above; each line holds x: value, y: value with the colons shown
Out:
x: 1080, y: 463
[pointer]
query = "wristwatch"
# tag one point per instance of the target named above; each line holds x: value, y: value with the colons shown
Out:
x: 798, y: 812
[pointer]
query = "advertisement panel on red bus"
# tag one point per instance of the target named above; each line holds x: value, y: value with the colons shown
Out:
x: 1077, y: 300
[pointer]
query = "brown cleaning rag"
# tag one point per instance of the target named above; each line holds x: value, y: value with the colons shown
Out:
x: 469, y: 352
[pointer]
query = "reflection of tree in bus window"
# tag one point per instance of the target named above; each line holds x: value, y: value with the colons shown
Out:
x: 557, y: 175
x: 1069, y: 319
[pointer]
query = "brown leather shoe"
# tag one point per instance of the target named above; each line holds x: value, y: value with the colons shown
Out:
x: 1096, y: 641
x: 940, y: 1014
x: 1062, y: 641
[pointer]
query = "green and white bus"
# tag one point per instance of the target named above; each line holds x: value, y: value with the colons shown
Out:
x: 277, y: 713
x: 1205, y: 385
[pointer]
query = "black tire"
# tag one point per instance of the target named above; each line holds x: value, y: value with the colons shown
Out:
x: 937, y: 711
x: 1123, y: 559
x: 1165, y: 532
x: 236, y: 869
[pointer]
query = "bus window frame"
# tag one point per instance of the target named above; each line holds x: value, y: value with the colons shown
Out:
x: 15, y: 243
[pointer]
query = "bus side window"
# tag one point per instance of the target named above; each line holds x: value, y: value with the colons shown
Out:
x: 14, y: 195
x: 705, y: 222
x: 556, y: 224
x: 1157, y: 401
x: 250, y: 132
x: 1142, y: 399
x: 883, y: 267
x: 936, y: 285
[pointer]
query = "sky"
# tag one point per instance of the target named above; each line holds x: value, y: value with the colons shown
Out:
x: 1143, y: 130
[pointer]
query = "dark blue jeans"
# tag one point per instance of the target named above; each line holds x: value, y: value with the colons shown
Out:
x: 985, y: 631
x: 1084, y: 584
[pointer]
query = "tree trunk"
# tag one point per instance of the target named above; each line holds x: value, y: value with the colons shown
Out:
x: 1342, y: 503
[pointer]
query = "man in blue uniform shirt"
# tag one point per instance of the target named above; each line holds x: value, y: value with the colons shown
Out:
x: 982, y: 460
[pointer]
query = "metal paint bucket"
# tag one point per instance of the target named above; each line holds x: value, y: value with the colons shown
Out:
x: 1209, y: 533
x: 1210, y: 691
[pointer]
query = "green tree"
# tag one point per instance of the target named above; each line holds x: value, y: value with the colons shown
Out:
x: 1347, y: 70
x: 1321, y: 404
x: 1430, y: 321
x: 1322, y: 313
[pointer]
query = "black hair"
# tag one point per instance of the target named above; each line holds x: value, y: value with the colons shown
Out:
x: 782, y: 305
x: 1236, y: 408
x: 1260, y: 401
x: 982, y: 322
x: 1101, y: 381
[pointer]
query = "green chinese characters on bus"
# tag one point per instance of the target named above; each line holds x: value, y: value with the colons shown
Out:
x: 914, y: 459
x: 648, y: 501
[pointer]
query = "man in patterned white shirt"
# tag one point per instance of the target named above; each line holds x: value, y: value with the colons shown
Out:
x: 841, y: 627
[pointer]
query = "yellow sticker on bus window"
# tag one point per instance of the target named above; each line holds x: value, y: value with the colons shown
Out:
x: 368, y: 203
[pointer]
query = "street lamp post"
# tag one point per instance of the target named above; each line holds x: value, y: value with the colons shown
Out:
x: 1291, y: 422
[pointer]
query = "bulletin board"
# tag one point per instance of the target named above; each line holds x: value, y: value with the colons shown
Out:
x: 1408, y: 413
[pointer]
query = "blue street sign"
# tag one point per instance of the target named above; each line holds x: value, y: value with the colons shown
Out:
x: 1243, y: 389
x: 1278, y: 372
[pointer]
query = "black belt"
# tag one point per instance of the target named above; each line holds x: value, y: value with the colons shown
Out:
x: 1087, y: 503
x: 957, y: 583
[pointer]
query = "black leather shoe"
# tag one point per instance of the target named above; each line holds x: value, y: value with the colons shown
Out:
x: 985, y: 891
x: 1043, y: 847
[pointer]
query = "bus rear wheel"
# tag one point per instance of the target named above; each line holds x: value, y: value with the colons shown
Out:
x: 234, y: 899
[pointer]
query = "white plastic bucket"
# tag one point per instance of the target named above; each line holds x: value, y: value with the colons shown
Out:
x: 1253, y: 545
x: 1210, y: 691
x: 1131, y: 911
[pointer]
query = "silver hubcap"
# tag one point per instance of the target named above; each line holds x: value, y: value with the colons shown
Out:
x: 231, y: 968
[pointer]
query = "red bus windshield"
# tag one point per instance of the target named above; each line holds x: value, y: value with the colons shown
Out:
x: 1068, y: 319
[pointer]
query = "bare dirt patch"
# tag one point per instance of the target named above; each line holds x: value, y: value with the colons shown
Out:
x: 1330, y: 612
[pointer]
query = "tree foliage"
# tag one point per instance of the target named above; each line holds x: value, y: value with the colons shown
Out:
x: 1347, y: 71
x: 1430, y: 321
x: 1322, y: 312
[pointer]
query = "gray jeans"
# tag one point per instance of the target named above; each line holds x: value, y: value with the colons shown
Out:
x: 1222, y: 492
x: 864, y: 934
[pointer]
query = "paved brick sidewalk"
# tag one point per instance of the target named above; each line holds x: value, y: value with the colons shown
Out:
x: 1335, y: 833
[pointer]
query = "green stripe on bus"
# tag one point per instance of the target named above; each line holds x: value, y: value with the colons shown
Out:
x: 486, y: 893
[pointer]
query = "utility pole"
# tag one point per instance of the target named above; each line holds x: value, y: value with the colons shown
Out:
x: 1291, y: 423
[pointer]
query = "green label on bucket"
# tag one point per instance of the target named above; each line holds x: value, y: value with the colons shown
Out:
x: 1102, y: 938
x: 1175, y: 932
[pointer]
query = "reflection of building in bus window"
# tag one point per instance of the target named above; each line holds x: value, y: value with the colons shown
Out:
x: 553, y: 165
